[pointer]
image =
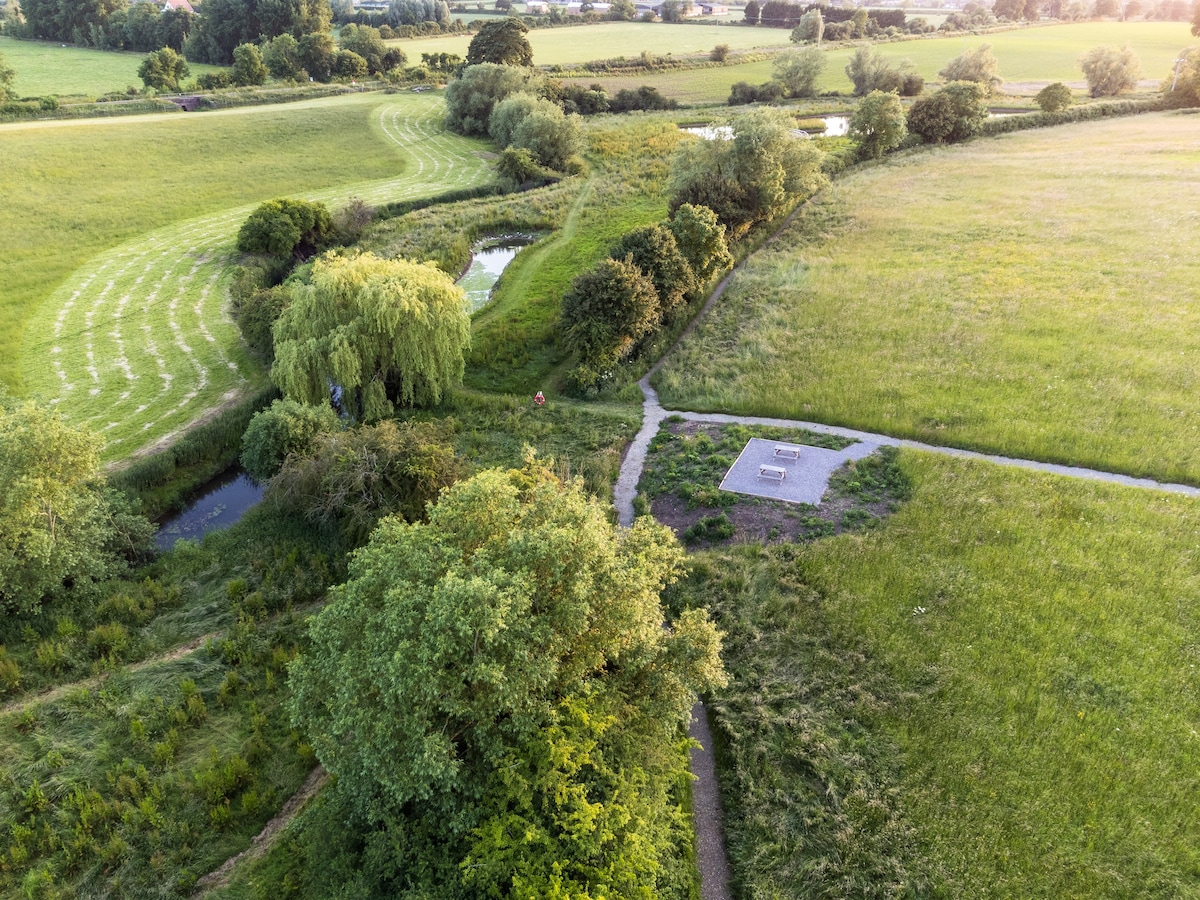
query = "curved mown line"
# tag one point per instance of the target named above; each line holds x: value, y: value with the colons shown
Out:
x: 138, y: 343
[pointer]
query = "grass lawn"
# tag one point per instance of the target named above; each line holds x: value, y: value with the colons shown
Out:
x: 992, y: 694
x: 139, y: 218
x: 1040, y: 55
x: 1034, y: 295
x: 45, y: 68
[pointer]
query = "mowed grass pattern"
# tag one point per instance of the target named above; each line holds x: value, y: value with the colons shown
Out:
x: 138, y: 343
x: 1035, y: 295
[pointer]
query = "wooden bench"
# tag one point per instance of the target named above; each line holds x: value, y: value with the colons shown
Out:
x: 786, y: 451
x: 774, y: 472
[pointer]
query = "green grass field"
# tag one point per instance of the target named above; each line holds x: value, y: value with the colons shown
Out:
x: 1034, y: 295
x: 992, y: 694
x: 566, y: 46
x: 1039, y: 55
x: 47, y: 68
x: 123, y: 233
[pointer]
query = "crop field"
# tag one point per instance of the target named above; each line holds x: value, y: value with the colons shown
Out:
x: 1036, y: 295
x: 992, y: 694
x: 567, y: 46
x: 45, y: 68
x: 1038, y: 55
x: 136, y: 342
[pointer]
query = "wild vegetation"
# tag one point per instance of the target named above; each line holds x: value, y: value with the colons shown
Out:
x: 1017, y: 279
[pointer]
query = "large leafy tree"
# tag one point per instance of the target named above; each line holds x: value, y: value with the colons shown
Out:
x: 1110, y: 70
x: 654, y: 251
x: 878, y: 124
x: 223, y: 25
x: 286, y: 229
x: 607, y: 310
x: 750, y: 177
x: 954, y: 113
x: 472, y: 97
x: 384, y: 331
x: 798, y: 71
x: 502, y: 42
x: 498, y: 681
x: 700, y: 237
x: 61, y: 530
x: 978, y: 64
x: 163, y: 70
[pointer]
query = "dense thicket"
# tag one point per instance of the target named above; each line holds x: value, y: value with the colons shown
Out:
x: 106, y: 24
x: 226, y: 24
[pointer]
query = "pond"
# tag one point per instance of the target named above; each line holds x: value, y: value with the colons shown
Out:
x: 216, y: 505
x: 489, y: 258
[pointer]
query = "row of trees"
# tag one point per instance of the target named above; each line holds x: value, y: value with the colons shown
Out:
x: 105, y: 24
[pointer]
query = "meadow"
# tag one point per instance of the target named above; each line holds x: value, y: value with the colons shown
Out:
x: 992, y: 694
x: 123, y: 238
x: 1033, y: 295
x: 1029, y: 57
x: 45, y: 68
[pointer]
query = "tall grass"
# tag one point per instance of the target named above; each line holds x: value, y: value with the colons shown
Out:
x: 991, y: 695
x: 1032, y: 295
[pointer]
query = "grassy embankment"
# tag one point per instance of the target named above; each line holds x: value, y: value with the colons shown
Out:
x: 46, y: 68
x: 1030, y: 57
x: 136, y: 338
x: 1033, y: 295
x: 992, y: 694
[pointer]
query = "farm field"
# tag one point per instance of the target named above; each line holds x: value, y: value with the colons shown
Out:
x: 992, y: 694
x: 45, y: 68
x: 137, y: 336
x: 1039, y: 55
x: 566, y: 46
x: 1033, y: 295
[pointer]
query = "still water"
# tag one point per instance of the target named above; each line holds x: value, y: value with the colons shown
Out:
x: 217, y: 505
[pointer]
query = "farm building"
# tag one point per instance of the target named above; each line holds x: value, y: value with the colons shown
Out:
x: 169, y: 5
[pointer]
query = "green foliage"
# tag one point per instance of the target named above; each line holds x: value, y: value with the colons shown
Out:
x: 1183, y: 89
x: 607, y: 311
x: 223, y: 25
x: 1054, y: 97
x: 354, y: 478
x: 256, y: 313
x: 288, y: 229
x: 869, y: 70
x: 281, y: 56
x: 1110, y: 70
x: 552, y: 138
x: 472, y: 96
x: 810, y: 29
x: 61, y: 531
x: 283, y: 429
x: 710, y: 529
x: 952, y: 114
x: 163, y: 70
x: 878, y: 124
x: 750, y: 178
x: 248, y: 66
x: 700, y: 237
x: 316, y: 54
x: 384, y: 331
x: 519, y: 685
x: 510, y: 112
x: 517, y: 168
x: 503, y: 43
x: 979, y: 65
x: 654, y: 251
x: 798, y: 71
x: 367, y: 42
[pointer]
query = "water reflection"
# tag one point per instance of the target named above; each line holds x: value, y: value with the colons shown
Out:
x: 488, y: 261
x: 219, y: 504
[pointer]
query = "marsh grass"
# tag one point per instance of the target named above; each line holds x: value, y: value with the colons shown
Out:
x: 1033, y: 295
x: 990, y: 695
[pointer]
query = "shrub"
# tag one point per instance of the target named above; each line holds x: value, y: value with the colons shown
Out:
x: 978, y: 64
x: 719, y: 53
x: 1054, y: 97
x: 870, y: 70
x: 213, y: 81
x: 798, y: 71
x: 472, y: 96
x: 1110, y: 70
x: 878, y: 124
x: 285, y: 428
x: 111, y: 640
x: 654, y: 251
x: 954, y: 113
x: 286, y: 228
x: 10, y: 673
x: 710, y: 528
x: 606, y: 311
x: 256, y: 314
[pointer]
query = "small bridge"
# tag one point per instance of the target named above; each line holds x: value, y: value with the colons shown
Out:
x: 188, y: 104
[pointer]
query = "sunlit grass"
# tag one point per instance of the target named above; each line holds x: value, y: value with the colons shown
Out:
x: 1034, y: 295
x: 1042, y: 54
x: 137, y: 342
x: 44, y: 68
x: 991, y: 695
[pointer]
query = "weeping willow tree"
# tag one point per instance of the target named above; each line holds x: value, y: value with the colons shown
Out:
x: 387, y: 332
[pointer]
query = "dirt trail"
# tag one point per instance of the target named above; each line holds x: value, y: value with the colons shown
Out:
x: 265, y: 839
x: 60, y: 691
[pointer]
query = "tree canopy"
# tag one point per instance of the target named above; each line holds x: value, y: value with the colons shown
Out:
x: 954, y: 113
x: 700, y: 237
x: 652, y: 248
x: 224, y: 25
x: 606, y: 311
x: 61, y: 530
x: 471, y: 98
x: 502, y: 42
x: 163, y: 70
x: 286, y: 428
x: 798, y: 71
x: 285, y: 229
x: 498, y: 680
x: 978, y: 64
x: 1110, y: 70
x: 384, y: 331
x: 878, y: 124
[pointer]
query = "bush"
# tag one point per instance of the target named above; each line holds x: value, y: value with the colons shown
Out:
x: 644, y: 98
x: 607, y: 311
x: 111, y: 640
x: 10, y: 674
x: 742, y: 93
x: 284, y: 228
x: 870, y: 70
x: 654, y: 251
x: 954, y: 113
x: 472, y: 96
x: 710, y: 528
x: 878, y: 124
x: 978, y: 64
x: 1054, y: 97
x: 284, y: 429
x: 256, y: 314
x: 1110, y: 70
x: 549, y: 135
x: 214, y: 81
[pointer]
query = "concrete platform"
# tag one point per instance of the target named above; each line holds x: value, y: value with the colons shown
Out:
x: 807, y: 477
